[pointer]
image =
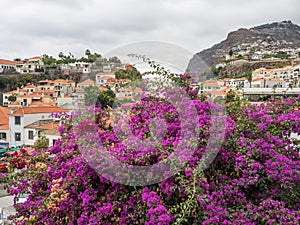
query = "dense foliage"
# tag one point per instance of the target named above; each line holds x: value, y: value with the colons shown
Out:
x: 253, y: 180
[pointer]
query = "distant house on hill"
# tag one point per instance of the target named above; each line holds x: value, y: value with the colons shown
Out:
x: 7, y: 66
x: 86, y: 83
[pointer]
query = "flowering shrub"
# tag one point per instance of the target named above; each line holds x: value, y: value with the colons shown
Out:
x: 19, y: 159
x: 254, y: 178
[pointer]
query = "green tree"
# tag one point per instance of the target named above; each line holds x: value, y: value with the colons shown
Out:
x: 61, y: 55
x: 12, y: 98
x: 49, y: 61
x: 114, y: 59
x: 106, y: 99
x: 41, y: 144
x: 249, y: 77
x: 93, y: 57
x: 230, y: 97
x: 128, y: 74
x: 87, y: 52
x: 230, y: 53
x: 91, y: 94
x: 66, y: 58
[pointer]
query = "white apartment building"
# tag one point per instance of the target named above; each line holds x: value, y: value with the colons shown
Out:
x: 80, y: 67
x: 32, y: 65
x: 20, y: 133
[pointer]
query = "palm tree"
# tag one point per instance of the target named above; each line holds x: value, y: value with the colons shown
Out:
x: 87, y: 53
x: 249, y: 77
x: 61, y: 55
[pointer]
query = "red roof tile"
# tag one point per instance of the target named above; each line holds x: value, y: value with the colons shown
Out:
x: 36, y: 110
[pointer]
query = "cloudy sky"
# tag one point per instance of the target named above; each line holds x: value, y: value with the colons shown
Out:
x: 35, y: 27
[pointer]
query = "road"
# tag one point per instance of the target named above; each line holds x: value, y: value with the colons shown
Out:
x: 6, y: 202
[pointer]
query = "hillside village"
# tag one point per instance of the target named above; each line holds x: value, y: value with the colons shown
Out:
x: 262, y: 49
x: 25, y: 111
x: 257, y: 85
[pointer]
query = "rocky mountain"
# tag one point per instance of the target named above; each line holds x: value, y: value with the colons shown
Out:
x: 283, y: 34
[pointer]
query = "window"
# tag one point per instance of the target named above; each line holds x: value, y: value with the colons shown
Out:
x: 17, y: 120
x: 30, y: 135
x: 18, y: 136
x: 2, y: 136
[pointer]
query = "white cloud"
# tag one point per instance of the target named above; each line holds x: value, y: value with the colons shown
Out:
x: 34, y: 27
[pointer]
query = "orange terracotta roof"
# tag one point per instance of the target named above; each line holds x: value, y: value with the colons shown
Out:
x: 103, y: 89
x: 53, y: 131
x: 7, y: 62
x: 257, y: 79
x: 110, y: 83
x: 15, y: 103
x: 30, y: 96
x: 107, y: 77
x: 79, y: 89
x: 4, y: 127
x: 49, y: 126
x: 10, y: 92
x: 4, y: 114
x: 44, y: 91
x: 38, y: 124
x: 131, y: 89
x: 87, y: 82
x: 211, y: 84
x: 36, y: 57
x: 218, y: 93
x: 59, y: 81
x: 36, y: 110
x: 30, y: 86
x: 125, y: 80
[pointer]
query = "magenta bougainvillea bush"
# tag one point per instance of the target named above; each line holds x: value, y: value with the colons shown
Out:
x: 254, y: 178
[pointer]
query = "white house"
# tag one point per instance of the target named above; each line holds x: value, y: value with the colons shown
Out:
x: 211, y: 85
x: 80, y: 67
x: 86, y: 83
x: 32, y: 65
x: 7, y: 65
x: 6, y: 96
x: 52, y: 135
x: 128, y: 93
x: 102, y: 78
x: 235, y: 82
x: 20, y: 118
x: 34, y: 130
